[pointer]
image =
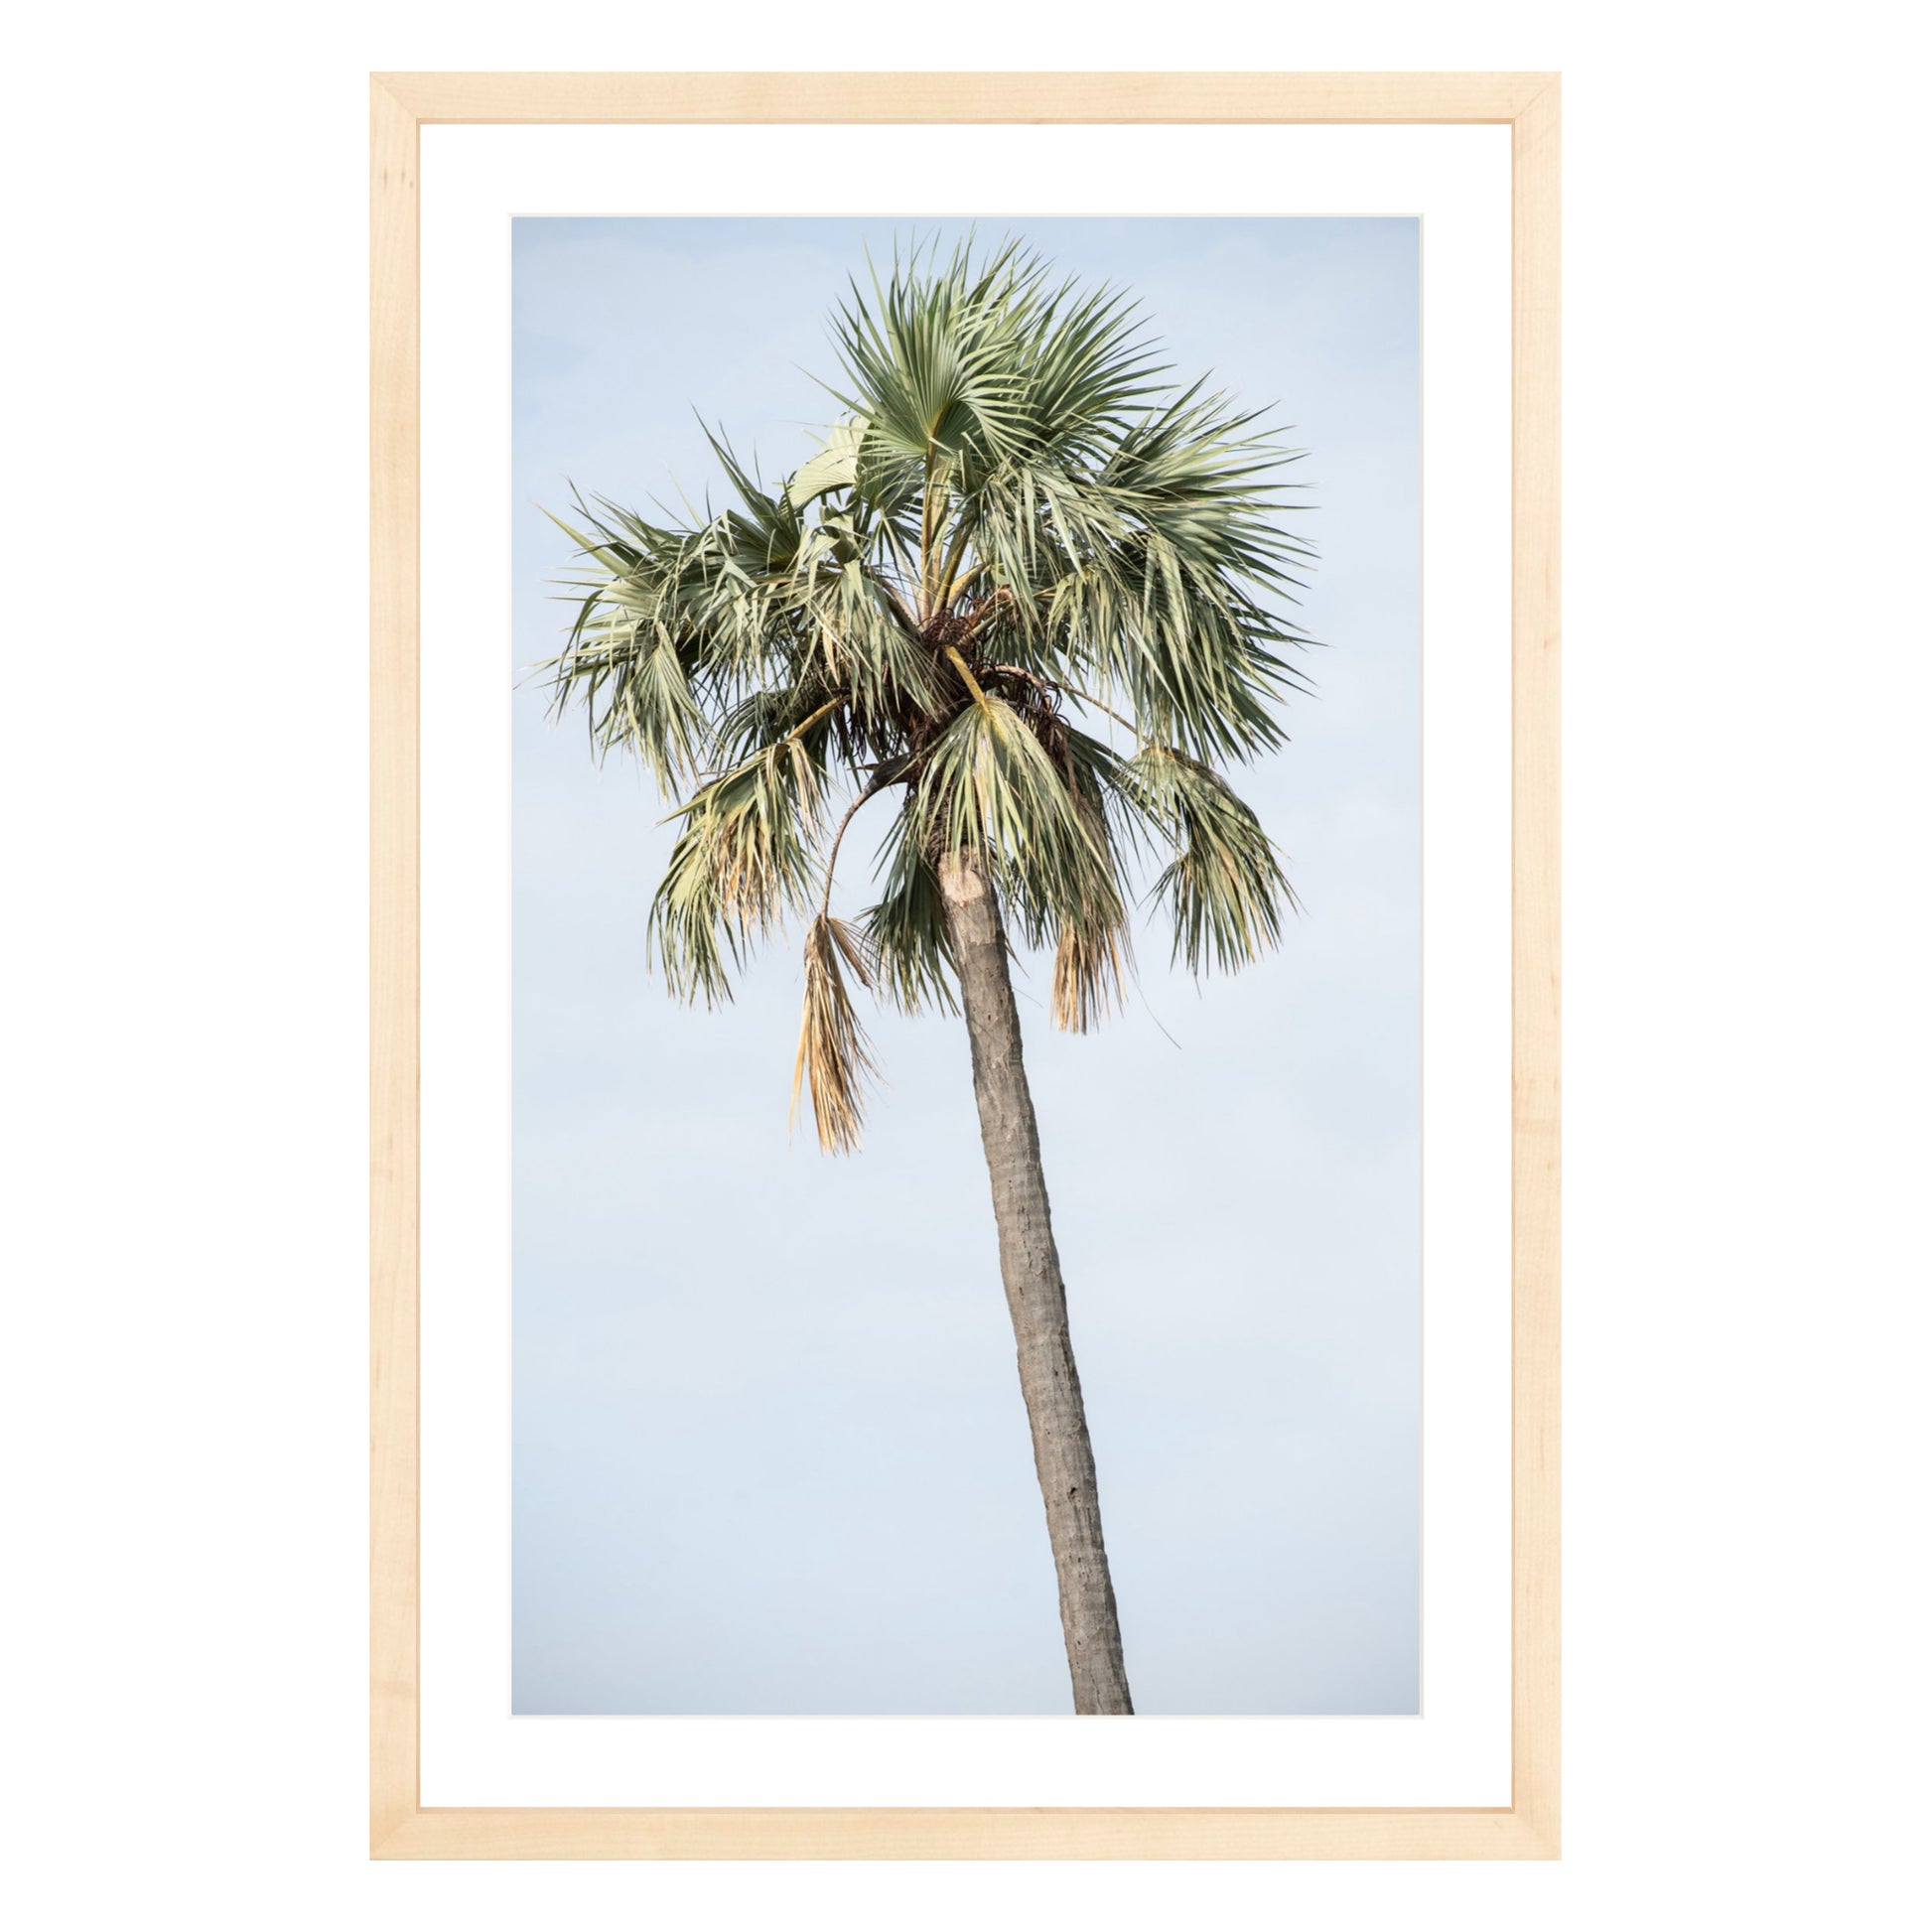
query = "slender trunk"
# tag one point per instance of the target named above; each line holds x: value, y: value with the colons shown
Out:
x: 1036, y: 1295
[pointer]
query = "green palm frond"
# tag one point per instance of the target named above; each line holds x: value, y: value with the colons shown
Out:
x: 1224, y: 888
x: 992, y: 788
x: 742, y: 861
x: 1019, y: 521
x: 906, y: 931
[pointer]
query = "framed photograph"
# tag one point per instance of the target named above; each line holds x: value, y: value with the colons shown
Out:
x: 965, y: 1093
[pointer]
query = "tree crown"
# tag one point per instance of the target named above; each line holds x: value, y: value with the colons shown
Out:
x: 1019, y: 544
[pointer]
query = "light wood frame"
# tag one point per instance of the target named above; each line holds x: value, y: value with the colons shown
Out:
x: 400, y: 1826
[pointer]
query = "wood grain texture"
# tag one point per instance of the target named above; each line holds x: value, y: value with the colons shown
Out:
x: 394, y: 1138
x: 940, y: 1832
x: 871, y: 98
x: 399, y: 1827
x: 1536, y: 1053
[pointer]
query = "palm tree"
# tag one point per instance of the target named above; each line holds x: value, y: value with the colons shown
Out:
x: 1016, y: 529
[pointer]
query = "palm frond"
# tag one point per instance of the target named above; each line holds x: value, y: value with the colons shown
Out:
x: 990, y: 788
x: 1090, y: 965
x: 834, y: 1056
x: 1018, y: 519
x: 906, y: 932
x: 742, y: 861
x: 1225, y: 888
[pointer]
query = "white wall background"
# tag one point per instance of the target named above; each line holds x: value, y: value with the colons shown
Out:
x: 184, y: 782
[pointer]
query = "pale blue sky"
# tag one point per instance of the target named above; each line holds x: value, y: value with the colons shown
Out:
x: 771, y: 1454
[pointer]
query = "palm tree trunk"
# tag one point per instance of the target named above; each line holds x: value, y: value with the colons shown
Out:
x: 1036, y: 1295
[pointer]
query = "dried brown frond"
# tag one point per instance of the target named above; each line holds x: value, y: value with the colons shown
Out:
x: 1088, y: 977
x: 750, y: 888
x: 834, y: 1053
